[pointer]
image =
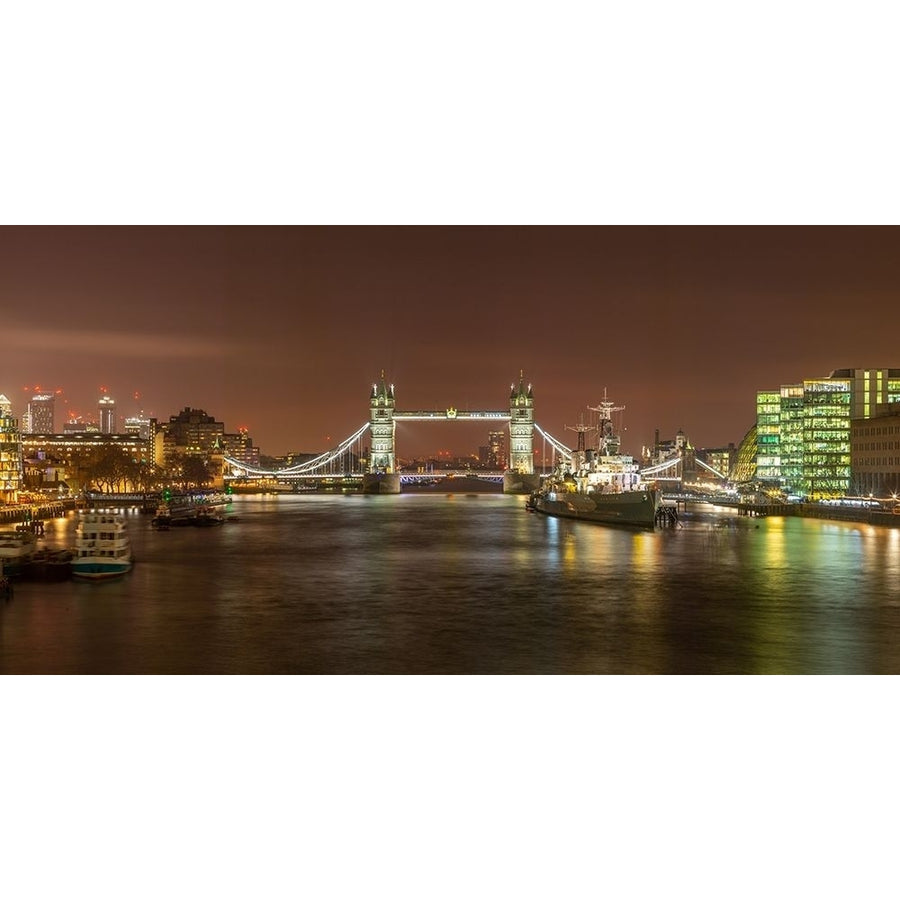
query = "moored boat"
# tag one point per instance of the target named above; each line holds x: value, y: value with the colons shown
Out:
x: 598, y: 484
x: 190, y: 509
x: 207, y: 516
x: 162, y: 518
x: 102, y: 548
x: 16, y: 549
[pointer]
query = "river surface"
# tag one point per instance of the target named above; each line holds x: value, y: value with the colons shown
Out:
x: 456, y: 583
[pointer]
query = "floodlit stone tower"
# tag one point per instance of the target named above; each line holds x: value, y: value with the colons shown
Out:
x: 382, y: 477
x: 520, y: 477
x: 521, y: 429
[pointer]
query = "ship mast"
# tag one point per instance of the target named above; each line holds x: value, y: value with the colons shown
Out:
x: 581, y: 428
x: 608, y: 437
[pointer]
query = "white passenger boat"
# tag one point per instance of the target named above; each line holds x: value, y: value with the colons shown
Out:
x: 102, y: 548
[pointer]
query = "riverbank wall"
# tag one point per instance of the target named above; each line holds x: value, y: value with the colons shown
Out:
x: 821, y: 511
x: 36, y: 511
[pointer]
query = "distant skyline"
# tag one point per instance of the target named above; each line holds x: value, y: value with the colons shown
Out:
x: 282, y: 330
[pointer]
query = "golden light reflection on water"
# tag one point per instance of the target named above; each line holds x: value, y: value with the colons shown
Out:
x: 569, y: 555
x: 645, y: 552
x: 776, y: 554
x: 892, y: 560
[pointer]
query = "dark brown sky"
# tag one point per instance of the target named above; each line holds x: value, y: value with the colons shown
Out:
x: 284, y: 329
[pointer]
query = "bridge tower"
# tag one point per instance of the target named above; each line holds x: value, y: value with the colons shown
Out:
x: 521, y: 478
x: 382, y: 477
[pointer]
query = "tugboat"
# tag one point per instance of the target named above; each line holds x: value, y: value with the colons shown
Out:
x: 102, y: 548
x: 599, y: 484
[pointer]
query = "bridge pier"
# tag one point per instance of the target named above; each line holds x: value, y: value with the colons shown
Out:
x: 381, y: 483
x: 520, y: 482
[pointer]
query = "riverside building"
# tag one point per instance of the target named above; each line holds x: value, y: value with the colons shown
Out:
x: 803, y: 430
x: 52, y: 459
x: 10, y: 453
x: 875, y: 451
x: 193, y: 433
x: 240, y: 446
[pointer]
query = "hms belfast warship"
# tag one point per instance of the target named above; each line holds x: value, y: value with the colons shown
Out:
x: 599, y: 484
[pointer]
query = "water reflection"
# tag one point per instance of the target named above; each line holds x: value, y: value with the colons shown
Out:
x: 422, y: 583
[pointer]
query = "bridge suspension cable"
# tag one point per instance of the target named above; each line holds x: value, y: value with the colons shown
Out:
x: 661, y: 467
x: 323, y: 459
x: 671, y: 463
x: 560, y: 447
x: 308, y: 466
x: 711, y: 469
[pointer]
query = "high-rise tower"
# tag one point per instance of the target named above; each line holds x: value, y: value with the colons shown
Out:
x: 497, y: 449
x: 107, y: 408
x: 40, y: 416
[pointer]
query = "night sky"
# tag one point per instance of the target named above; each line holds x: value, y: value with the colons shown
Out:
x: 283, y: 330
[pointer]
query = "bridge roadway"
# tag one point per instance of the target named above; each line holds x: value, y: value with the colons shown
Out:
x: 452, y: 415
x: 353, y: 477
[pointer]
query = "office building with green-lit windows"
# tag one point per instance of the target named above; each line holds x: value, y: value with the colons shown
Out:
x: 803, y: 430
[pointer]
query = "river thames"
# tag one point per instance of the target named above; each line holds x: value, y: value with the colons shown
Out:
x: 467, y: 583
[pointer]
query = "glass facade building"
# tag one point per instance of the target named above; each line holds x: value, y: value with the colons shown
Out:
x: 768, y: 435
x: 791, y: 435
x: 803, y: 430
x: 825, y: 469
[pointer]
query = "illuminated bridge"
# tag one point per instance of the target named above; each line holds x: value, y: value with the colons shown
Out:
x: 379, y: 472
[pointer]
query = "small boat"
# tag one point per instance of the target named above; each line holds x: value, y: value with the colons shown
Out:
x: 102, y: 548
x: 16, y: 549
x: 206, y: 517
x: 200, y: 510
x: 598, y: 484
x: 162, y: 518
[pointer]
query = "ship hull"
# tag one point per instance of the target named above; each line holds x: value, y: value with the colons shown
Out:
x: 636, y: 509
x: 96, y: 569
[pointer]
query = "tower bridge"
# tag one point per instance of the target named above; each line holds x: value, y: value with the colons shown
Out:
x: 381, y: 474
